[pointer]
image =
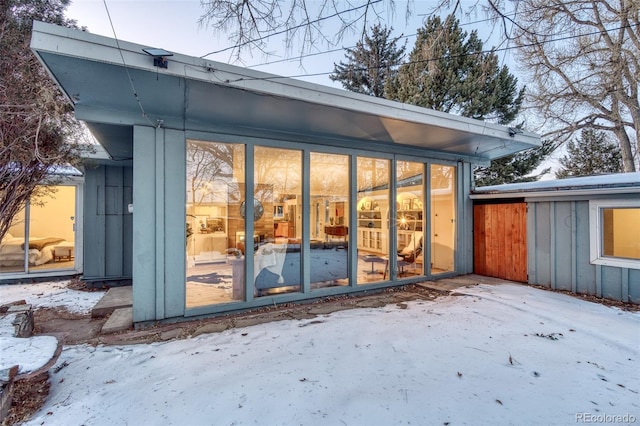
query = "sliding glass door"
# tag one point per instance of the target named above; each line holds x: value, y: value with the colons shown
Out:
x: 443, y: 218
x: 43, y: 235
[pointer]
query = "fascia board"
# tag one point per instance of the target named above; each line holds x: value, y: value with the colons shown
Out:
x: 556, y: 194
x: 76, y: 43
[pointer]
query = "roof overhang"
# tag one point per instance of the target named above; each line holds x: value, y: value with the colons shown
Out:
x: 201, y: 95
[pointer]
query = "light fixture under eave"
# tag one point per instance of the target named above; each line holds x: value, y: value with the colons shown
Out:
x: 514, y: 131
x: 159, y: 56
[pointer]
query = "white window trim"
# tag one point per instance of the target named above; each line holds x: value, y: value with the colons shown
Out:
x: 595, y: 233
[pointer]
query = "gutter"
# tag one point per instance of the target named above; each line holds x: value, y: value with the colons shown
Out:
x: 559, y: 193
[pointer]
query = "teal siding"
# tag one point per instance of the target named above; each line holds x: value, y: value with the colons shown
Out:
x: 144, y: 231
x: 585, y: 271
x: 175, y: 227
x: 158, y: 240
x: 612, y: 282
x: 107, y: 232
x: 633, y: 287
x: 559, y: 255
x: 464, y: 253
x: 563, y: 234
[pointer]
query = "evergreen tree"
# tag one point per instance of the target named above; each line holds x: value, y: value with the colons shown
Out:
x: 448, y: 71
x: 370, y: 63
x: 515, y: 168
x: 592, y: 154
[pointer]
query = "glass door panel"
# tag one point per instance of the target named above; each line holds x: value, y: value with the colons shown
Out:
x: 214, y: 223
x: 278, y: 230
x: 49, y: 236
x: 329, y: 198
x: 409, y: 218
x: 443, y: 218
x: 372, y: 213
x: 12, y: 255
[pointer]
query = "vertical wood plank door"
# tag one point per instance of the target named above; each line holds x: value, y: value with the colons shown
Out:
x: 500, y: 240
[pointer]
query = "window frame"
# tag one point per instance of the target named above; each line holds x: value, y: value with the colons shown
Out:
x: 596, y: 257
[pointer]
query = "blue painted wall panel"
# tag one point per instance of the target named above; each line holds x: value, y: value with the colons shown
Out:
x: 175, y: 163
x: 562, y: 261
x: 634, y: 285
x: 107, y: 226
x: 542, y: 247
x: 585, y: 271
x: 611, y: 282
x: 465, y: 215
x: 158, y: 221
x: 144, y: 224
x: 559, y: 253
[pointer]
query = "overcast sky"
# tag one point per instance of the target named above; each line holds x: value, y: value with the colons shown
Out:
x: 173, y: 25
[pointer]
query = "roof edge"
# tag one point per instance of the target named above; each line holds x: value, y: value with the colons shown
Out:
x: 601, y: 184
x: 49, y: 38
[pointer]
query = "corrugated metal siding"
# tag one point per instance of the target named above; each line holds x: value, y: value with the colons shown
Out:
x: 108, y: 233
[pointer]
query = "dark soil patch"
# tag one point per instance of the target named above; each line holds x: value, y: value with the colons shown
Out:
x: 69, y: 328
x: 625, y: 306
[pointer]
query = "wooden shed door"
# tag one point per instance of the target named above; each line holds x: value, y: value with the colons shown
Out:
x: 500, y: 240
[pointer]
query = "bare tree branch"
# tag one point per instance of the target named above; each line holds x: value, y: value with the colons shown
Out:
x: 250, y: 23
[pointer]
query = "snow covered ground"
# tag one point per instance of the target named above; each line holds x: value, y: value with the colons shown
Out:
x: 497, y: 355
x: 51, y: 295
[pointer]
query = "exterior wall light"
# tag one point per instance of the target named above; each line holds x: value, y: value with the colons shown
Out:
x: 159, y: 56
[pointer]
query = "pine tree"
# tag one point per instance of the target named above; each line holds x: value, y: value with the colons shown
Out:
x: 515, y: 168
x: 449, y: 71
x: 592, y: 154
x: 370, y: 63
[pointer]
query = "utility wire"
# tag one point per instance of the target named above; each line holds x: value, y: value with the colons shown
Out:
x: 306, y: 24
x: 297, y: 58
x: 133, y: 88
x: 502, y: 49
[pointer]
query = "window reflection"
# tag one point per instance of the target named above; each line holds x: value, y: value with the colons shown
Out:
x: 329, y: 219
x: 216, y: 207
x: 50, y: 235
x: 372, y: 218
x: 443, y: 218
x: 215, y: 190
x: 409, y: 218
x: 278, y: 233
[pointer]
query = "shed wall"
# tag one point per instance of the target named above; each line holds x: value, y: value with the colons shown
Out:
x: 558, y: 254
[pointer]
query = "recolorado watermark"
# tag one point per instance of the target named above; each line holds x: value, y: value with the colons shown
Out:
x: 605, y: 418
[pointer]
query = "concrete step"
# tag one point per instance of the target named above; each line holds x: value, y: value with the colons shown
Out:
x: 114, y: 298
x: 120, y: 320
